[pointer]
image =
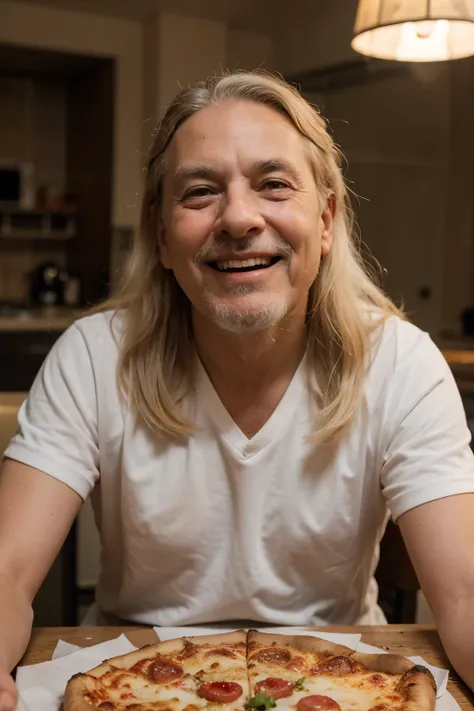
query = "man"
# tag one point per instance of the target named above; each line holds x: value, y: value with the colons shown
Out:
x: 247, y: 406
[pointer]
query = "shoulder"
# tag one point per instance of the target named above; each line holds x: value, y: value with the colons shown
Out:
x: 406, y: 365
x: 90, y: 343
x: 107, y: 325
x: 400, y: 345
x: 100, y: 333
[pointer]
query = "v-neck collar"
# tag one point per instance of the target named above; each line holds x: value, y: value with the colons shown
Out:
x: 276, y: 423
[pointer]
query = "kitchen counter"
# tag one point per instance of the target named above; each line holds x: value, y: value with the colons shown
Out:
x: 9, y: 406
x: 49, y: 319
x: 458, y: 356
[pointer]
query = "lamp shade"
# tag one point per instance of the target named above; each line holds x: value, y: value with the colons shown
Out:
x: 415, y: 30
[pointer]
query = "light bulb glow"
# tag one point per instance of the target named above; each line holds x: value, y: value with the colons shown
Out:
x: 423, y: 41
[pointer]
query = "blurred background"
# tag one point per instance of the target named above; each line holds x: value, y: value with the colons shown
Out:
x: 82, y: 85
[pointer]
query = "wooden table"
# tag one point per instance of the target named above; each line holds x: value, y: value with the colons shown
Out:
x: 408, y: 640
x: 458, y: 357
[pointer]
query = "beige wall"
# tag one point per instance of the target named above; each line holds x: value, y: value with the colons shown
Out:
x: 313, y: 33
x: 249, y: 50
x: 394, y: 135
x: 53, y: 29
x: 189, y: 49
x: 176, y: 51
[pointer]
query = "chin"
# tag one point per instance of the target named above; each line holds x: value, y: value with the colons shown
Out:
x: 247, y: 320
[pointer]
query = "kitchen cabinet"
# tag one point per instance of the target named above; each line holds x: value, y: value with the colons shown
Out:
x: 21, y: 356
x: 57, y: 116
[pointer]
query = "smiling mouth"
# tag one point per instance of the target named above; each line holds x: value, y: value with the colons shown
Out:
x: 243, y: 265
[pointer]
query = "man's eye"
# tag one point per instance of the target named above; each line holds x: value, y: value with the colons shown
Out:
x: 201, y: 191
x: 275, y: 184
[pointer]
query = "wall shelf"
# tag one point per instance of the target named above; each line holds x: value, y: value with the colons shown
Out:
x: 33, y: 225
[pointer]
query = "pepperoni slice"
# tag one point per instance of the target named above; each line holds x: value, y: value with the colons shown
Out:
x: 336, y: 666
x: 377, y: 680
x: 223, y: 692
x: 276, y: 688
x: 163, y: 671
x: 274, y: 655
x: 317, y: 703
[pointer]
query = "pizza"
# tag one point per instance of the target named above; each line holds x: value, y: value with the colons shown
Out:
x: 252, y: 671
x: 177, y: 675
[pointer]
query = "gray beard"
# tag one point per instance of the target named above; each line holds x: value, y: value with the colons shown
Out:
x: 240, y: 321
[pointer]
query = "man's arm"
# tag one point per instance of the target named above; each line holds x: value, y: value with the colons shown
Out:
x: 36, y: 513
x: 439, y: 537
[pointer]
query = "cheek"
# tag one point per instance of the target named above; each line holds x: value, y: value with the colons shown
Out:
x: 187, y: 233
x: 303, y: 234
x: 184, y: 237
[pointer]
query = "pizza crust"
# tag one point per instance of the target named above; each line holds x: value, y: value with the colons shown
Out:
x: 237, y: 637
x: 75, y: 692
x: 302, y: 643
x: 419, y: 689
x: 384, y: 663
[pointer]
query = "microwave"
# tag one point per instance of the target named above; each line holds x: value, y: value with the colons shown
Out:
x: 17, y: 188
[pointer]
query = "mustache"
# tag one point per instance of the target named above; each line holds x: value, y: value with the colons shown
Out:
x: 218, y: 249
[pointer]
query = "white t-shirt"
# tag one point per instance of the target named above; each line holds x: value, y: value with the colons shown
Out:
x: 270, y: 529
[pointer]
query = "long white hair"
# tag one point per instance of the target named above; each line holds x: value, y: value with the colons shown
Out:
x: 157, y: 357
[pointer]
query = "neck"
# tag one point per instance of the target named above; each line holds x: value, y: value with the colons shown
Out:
x: 249, y: 362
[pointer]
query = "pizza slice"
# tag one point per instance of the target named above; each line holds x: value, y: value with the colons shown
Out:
x: 185, y: 674
x: 304, y: 673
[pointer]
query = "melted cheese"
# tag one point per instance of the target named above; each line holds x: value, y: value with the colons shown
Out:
x: 123, y: 688
x: 352, y: 694
x: 210, y: 665
x: 120, y: 687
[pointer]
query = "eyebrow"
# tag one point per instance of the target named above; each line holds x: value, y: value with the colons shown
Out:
x: 202, y: 171
x: 278, y: 165
x: 188, y: 172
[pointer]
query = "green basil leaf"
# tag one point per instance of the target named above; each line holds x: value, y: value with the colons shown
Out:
x: 261, y: 702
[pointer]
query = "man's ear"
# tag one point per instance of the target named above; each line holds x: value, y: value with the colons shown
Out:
x: 327, y: 217
x: 163, y: 244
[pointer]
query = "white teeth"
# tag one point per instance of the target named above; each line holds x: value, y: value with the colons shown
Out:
x: 241, y: 264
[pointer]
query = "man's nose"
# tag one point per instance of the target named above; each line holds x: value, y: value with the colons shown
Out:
x: 241, y: 215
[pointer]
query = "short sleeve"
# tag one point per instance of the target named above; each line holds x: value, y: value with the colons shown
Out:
x: 57, y: 424
x: 427, y: 454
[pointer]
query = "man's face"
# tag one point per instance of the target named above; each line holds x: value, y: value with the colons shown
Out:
x: 242, y: 227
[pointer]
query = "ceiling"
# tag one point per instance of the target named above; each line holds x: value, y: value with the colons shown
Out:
x: 256, y: 14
